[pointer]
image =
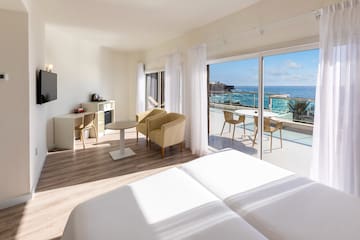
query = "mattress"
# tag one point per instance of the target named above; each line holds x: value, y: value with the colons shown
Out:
x: 275, y: 201
x: 169, y: 205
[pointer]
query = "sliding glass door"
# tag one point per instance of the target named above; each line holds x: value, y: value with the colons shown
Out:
x: 155, y: 90
x: 233, y: 103
x: 289, y: 107
x: 271, y: 98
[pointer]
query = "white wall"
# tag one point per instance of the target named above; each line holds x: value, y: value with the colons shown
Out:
x: 84, y: 68
x: 14, y: 95
x: 38, y: 145
x: 265, y: 25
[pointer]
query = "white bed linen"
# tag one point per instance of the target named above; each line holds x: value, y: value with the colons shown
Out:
x: 232, y: 172
x: 169, y: 205
x: 276, y: 202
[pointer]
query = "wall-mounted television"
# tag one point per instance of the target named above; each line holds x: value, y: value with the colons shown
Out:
x: 46, y: 87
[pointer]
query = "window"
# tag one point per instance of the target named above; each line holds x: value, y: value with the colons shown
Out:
x: 288, y: 86
x: 155, y: 90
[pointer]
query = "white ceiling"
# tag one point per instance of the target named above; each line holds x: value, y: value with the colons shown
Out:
x: 14, y: 5
x: 134, y: 24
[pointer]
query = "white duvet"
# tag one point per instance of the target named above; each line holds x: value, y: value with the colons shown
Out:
x: 227, y: 195
x: 170, y: 205
x: 276, y: 202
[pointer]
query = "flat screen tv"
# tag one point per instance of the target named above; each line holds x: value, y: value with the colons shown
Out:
x: 46, y: 87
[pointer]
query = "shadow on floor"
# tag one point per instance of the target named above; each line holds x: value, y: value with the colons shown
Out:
x: 10, y: 220
x: 220, y: 142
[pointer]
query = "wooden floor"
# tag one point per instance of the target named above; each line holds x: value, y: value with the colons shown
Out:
x: 71, y: 177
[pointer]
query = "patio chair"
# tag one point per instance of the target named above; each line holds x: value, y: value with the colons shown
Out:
x: 229, y: 118
x: 270, y: 126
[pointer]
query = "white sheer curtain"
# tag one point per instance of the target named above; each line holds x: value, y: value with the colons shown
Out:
x: 173, y: 83
x: 336, y: 158
x: 140, y: 98
x: 196, y: 99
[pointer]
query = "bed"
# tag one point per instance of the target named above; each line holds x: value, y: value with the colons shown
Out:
x: 227, y: 195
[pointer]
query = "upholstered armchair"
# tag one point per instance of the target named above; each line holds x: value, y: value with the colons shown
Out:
x: 142, y: 119
x: 167, y: 130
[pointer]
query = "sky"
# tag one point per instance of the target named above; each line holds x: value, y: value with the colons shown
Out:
x: 290, y: 69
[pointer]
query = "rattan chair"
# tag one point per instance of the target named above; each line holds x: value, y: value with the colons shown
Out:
x: 270, y: 126
x: 229, y: 118
x: 87, y: 124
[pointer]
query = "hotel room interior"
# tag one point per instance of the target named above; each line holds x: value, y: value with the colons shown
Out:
x: 205, y: 119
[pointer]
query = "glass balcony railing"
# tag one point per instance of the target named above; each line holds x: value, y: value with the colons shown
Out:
x: 294, y: 109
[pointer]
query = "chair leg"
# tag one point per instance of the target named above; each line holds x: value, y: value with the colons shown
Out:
x: 256, y: 131
x: 149, y: 142
x: 281, y: 138
x: 244, y: 129
x: 233, y: 133
x: 222, y: 129
x: 137, y: 136
x: 96, y: 134
x: 82, y: 138
x: 271, y: 141
x: 162, y: 152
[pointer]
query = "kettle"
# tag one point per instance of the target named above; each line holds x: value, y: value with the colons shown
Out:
x: 95, y: 97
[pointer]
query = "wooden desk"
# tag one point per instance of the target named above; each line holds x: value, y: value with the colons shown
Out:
x: 64, y: 127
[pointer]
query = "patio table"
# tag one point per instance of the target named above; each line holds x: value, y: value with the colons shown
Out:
x: 254, y: 113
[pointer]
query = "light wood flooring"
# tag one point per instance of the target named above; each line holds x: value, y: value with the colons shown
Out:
x: 71, y: 177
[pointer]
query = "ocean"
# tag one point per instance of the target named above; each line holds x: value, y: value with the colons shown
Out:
x: 292, y: 91
x: 247, y: 96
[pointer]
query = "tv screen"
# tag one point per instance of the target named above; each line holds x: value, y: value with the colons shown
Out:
x: 46, y: 87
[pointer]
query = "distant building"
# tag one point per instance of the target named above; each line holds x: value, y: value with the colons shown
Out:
x: 220, y: 87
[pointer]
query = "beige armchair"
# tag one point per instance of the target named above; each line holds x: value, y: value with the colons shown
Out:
x: 142, y: 119
x: 167, y: 130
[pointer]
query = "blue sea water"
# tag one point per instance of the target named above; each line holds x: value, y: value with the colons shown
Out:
x: 293, y: 91
x: 247, y: 96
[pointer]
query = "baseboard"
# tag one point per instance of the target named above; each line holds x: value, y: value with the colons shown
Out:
x: 15, y: 201
x: 38, y: 175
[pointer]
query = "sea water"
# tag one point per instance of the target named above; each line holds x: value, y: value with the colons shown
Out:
x: 247, y: 96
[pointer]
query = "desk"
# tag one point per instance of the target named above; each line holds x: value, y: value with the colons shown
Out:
x: 254, y: 113
x: 122, y: 152
x: 64, y: 127
x: 105, y: 114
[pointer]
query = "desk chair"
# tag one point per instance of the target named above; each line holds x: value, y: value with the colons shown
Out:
x: 269, y: 128
x: 87, y: 124
x: 229, y: 118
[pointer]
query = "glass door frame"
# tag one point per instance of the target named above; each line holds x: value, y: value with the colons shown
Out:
x: 260, y: 56
x: 160, y: 86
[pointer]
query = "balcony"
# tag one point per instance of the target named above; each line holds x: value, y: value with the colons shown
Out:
x: 296, y: 152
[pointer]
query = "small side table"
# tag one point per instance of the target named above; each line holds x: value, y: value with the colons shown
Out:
x: 122, y: 152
